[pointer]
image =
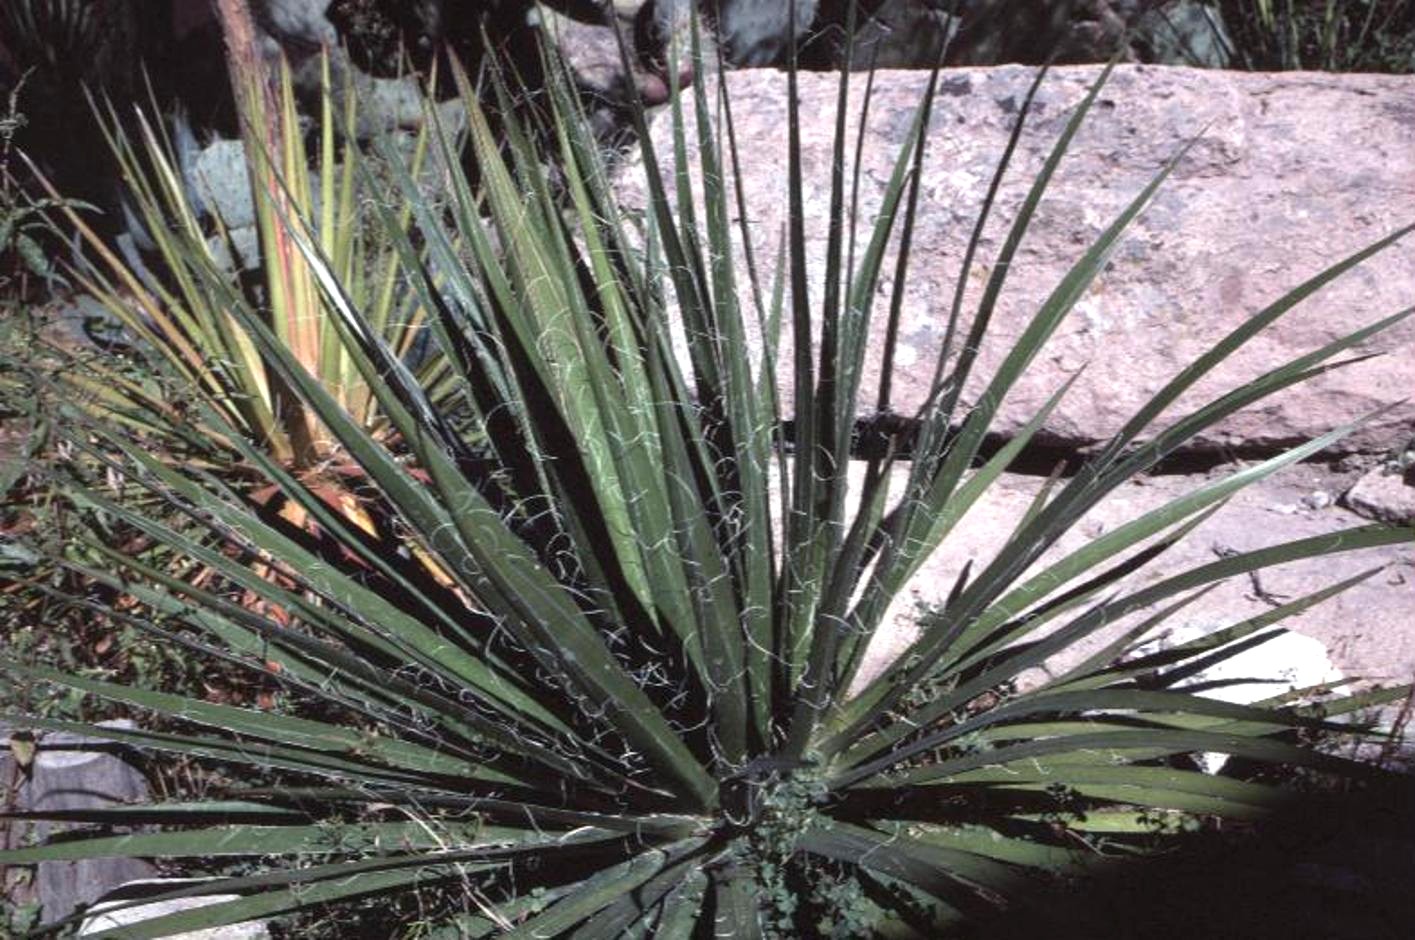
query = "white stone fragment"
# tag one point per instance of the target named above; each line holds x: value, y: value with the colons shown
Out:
x: 103, y: 918
x: 1285, y: 662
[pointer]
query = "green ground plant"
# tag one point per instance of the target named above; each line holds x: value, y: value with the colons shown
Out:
x: 638, y: 701
x: 24, y: 220
x: 1325, y: 35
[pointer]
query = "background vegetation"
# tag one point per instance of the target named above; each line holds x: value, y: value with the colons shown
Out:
x: 1323, y: 35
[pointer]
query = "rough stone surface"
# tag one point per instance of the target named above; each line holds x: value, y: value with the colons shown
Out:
x: 299, y: 23
x: 1384, y: 496
x: 222, y: 184
x: 71, y: 772
x: 1291, y: 172
x: 591, y: 52
x: 1283, y: 662
x: 1368, y: 630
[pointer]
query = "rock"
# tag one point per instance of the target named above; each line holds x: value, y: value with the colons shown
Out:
x: 240, y: 253
x: 219, y: 179
x: 1095, y: 29
x: 74, y: 772
x: 591, y: 52
x: 1281, y: 663
x: 102, y: 918
x: 219, y: 185
x: 1293, y: 172
x: 1365, y: 633
x: 1368, y: 631
x: 1186, y: 32
x: 297, y: 22
x: 1384, y: 496
x: 1317, y: 499
x: 756, y: 33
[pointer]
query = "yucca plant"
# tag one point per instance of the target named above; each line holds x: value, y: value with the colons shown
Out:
x: 183, y: 321
x: 641, y: 705
x: 185, y: 318
x: 61, y: 37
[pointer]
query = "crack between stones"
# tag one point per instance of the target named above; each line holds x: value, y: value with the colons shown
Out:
x: 873, y: 437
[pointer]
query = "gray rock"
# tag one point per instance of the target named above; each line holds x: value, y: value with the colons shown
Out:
x: 385, y: 105
x: 1281, y: 663
x: 1186, y: 32
x: 301, y: 28
x: 757, y: 33
x: 239, y: 251
x: 1367, y: 631
x: 912, y: 34
x: 107, y: 915
x: 591, y: 52
x: 1294, y: 171
x: 74, y: 772
x: 1317, y: 500
x: 220, y: 181
x: 220, y: 186
x: 1384, y: 496
x: 297, y: 22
